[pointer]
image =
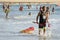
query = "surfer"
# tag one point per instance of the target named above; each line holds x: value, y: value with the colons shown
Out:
x: 43, y: 18
x: 6, y: 9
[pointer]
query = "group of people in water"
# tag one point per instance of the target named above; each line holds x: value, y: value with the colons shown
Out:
x: 43, y: 16
x: 6, y: 9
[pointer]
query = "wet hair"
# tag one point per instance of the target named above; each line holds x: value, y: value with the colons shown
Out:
x: 40, y: 8
x: 47, y: 9
x: 43, y: 8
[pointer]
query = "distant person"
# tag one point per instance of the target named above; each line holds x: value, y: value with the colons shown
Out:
x: 21, y: 8
x: 53, y: 9
x: 43, y: 18
x: 29, y: 6
x: 3, y: 7
x: 6, y: 9
x: 29, y: 13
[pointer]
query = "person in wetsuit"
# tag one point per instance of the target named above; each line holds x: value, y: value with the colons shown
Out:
x: 43, y: 17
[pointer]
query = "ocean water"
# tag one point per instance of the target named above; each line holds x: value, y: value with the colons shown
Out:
x: 19, y: 20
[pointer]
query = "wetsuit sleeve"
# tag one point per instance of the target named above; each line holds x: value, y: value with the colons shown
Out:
x: 37, y: 17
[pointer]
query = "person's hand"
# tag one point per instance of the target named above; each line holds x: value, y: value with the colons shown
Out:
x: 48, y: 24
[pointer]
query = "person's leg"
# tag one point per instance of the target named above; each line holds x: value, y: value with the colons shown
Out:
x: 6, y: 15
x: 44, y: 30
x: 40, y: 29
x: 7, y: 11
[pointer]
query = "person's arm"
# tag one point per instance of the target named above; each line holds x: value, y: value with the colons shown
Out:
x: 37, y: 17
x: 47, y: 15
x: 47, y: 19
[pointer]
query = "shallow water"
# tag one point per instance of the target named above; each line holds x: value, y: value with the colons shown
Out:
x: 19, y: 20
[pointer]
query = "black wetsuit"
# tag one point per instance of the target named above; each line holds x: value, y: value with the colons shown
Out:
x: 42, y: 21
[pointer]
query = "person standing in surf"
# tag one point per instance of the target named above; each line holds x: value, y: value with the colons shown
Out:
x: 6, y: 9
x: 43, y: 18
x: 53, y: 9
